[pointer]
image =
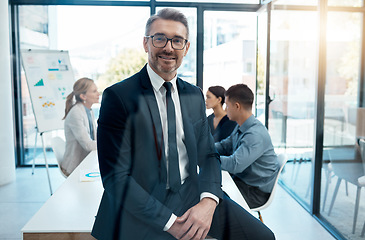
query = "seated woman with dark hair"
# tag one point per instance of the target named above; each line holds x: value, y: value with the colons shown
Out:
x: 220, y: 126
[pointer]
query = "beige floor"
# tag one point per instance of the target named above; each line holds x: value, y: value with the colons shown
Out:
x: 288, y: 220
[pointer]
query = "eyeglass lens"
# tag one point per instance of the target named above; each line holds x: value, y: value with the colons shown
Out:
x: 160, y: 41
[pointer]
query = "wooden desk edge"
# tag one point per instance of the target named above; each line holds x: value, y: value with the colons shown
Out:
x: 58, y: 236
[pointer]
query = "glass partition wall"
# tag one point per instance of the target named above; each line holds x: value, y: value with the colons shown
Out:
x: 293, y: 48
x: 104, y: 47
x: 98, y: 44
x: 342, y: 203
x: 294, y: 72
x: 273, y: 46
x: 229, y: 49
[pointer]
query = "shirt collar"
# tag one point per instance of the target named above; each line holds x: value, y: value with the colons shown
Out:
x: 87, y: 109
x: 158, y: 81
x: 247, y: 124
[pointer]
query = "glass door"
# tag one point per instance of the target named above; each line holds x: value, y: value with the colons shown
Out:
x: 293, y: 58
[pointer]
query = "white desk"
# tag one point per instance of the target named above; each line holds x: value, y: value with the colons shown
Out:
x: 70, y: 212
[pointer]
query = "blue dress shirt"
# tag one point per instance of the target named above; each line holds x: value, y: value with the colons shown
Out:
x: 248, y: 154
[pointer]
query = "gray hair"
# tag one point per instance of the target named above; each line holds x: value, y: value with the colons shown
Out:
x: 167, y: 14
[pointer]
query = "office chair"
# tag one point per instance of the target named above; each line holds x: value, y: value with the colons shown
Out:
x: 58, y: 146
x: 282, y: 159
x: 361, y: 180
x: 350, y: 172
x: 329, y: 174
x: 360, y: 133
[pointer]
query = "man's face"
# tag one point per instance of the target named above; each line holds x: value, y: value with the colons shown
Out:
x: 231, y: 109
x: 165, y: 61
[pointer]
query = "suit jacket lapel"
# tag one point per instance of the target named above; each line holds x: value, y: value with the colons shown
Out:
x: 190, y: 141
x: 149, y: 95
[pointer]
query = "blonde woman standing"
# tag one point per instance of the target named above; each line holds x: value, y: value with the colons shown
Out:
x: 80, y: 129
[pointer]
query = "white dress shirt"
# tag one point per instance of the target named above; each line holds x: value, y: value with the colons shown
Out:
x: 160, y: 94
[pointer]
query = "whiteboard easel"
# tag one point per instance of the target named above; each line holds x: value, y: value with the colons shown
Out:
x: 50, y: 78
x: 45, y: 159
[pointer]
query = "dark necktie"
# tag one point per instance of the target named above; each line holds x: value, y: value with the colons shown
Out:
x: 173, y: 161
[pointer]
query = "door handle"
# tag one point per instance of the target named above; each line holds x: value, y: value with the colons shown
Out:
x: 269, y: 100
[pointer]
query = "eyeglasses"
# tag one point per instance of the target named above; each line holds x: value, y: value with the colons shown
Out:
x: 160, y: 41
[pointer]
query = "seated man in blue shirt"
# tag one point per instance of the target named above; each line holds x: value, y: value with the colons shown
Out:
x: 248, y: 154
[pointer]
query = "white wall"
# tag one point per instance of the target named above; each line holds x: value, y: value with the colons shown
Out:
x: 7, y: 154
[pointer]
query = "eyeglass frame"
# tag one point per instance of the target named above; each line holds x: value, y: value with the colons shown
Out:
x: 167, y: 40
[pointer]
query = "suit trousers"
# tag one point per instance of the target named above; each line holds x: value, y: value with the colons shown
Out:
x: 230, y: 221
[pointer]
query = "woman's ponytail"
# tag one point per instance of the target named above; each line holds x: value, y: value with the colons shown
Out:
x: 69, y: 104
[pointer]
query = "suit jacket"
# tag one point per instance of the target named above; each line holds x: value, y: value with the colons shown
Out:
x: 77, y: 134
x: 135, y: 202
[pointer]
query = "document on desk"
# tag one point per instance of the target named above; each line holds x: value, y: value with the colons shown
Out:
x: 89, y: 175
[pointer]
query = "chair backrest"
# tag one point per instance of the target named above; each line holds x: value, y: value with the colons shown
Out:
x: 282, y: 159
x: 58, y: 146
x: 362, y: 151
x: 360, y: 123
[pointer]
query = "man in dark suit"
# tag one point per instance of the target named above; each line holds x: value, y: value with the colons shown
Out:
x: 152, y: 135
